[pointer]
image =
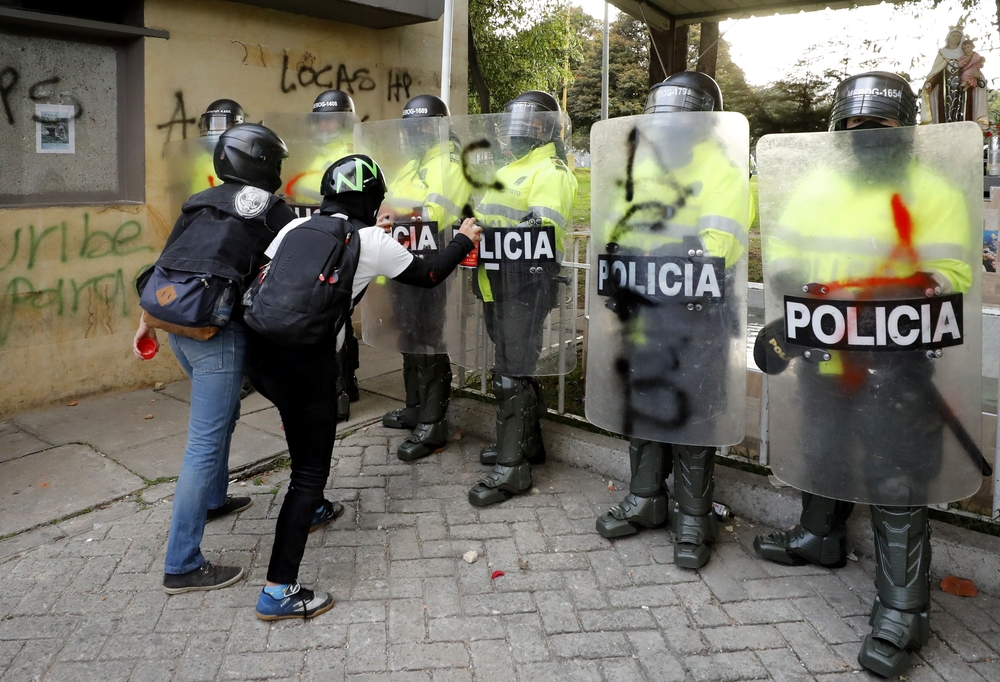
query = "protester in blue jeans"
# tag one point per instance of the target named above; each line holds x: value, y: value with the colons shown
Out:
x: 222, y: 231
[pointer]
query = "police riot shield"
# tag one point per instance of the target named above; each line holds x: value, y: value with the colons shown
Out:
x: 521, y: 311
x: 871, y: 249
x: 666, y: 358
x: 314, y: 142
x: 426, y: 190
x: 190, y: 169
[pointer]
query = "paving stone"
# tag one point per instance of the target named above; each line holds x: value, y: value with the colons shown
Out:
x: 741, y: 665
x: 657, y: 662
x: 461, y: 628
x: 617, y: 620
x: 432, y: 655
x: 406, y: 621
x: 723, y: 585
x: 557, y: 612
x: 783, y: 665
x: 563, y: 671
x: 741, y: 637
x: 756, y: 612
x: 103, y: 671
x: 584, y: 645
x: 366, y: 649
x: 810, y: 648
x: 491, y: 659
x: 678, y: 630
x: 261, y: 665
x: 620, y: 670
x: 830, y: 626
x: 959, y: 638
x: 526, y: 637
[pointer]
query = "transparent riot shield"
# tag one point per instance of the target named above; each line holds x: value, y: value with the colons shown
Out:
x: 666, y: 357
x: 426, y: 190
x: 190, y: 169
x: 519, y: 311
x: 871, y: 248
x: 314, y: 142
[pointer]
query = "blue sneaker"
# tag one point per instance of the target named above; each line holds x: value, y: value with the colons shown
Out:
x: 326, y: 513
x: 295, y: 602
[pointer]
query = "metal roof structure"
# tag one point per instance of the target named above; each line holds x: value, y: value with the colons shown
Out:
x: 660, y: 13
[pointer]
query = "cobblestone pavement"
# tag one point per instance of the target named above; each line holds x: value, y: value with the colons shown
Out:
x: 409, y: 609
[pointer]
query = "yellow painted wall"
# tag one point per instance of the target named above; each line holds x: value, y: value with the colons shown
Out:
x: 67, y: 305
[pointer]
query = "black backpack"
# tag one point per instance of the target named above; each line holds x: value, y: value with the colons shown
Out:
x: 303, y: 295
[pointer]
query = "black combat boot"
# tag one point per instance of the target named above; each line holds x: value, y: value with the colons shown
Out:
x: 899, y: 618
x: 406, y: 418
x: 519, y: 436
x: 431, y: 432
x: 488, y: 454
x: 695, y: 526
x: 820, y: 538
x: 645, y: 506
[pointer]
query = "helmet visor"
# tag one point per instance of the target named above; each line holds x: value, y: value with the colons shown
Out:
x: 216, y: 123
x: 528, y: 119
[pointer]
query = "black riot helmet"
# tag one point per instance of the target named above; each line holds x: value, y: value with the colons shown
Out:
x: 684, y: 91
x: 876, y: 93
x: 531, y: 120
x: 252, y: 154
x: 333, y: 101
x: 355, y: 183
x: 418, y: 136
x: 423, y: 106
x: 221, y: 115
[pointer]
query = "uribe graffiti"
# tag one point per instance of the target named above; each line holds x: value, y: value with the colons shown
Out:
x: 70, y: 268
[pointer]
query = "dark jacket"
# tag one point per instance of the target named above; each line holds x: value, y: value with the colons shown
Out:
x: 224, y: 231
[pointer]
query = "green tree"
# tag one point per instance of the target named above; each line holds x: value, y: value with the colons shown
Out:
x: 628, y: 69
x: 517, y: 45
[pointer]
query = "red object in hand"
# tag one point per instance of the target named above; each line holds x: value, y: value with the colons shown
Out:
x: 147, y: 348
x: 497, y: 574
x: 471, y: 259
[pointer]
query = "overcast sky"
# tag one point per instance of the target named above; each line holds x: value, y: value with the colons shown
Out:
x: 767, y: 47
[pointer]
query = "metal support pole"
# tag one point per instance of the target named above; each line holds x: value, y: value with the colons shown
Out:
x: 762, y: 448
x: 604, y: 66
x: 449, y: 25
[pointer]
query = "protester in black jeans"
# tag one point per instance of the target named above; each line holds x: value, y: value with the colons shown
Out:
x: 301, y: 380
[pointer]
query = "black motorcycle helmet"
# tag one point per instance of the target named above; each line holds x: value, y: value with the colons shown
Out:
x: 220, y: 115
x: 531, y: 120
x: 252, y: 154
x: 684, y: 91
x: 333, y: 101
x: 876, y: 93
x: 355, y: 183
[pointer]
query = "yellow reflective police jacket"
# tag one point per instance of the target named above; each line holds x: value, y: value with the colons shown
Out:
x: 203, y: 173
x: 836, y: 229
x: 540, y: 184
x: 434, y: 183
x: 708, y: 200
x: 303, y: 187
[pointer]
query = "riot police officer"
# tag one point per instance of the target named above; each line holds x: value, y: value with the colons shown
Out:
x: 427, y: 193
x: 331, y: 138
x: 683, y: 203
x: 534, y: 192
x: 220, y: 116
x: 870, y: 423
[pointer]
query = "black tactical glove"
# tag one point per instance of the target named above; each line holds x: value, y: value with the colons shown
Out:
x: 770, y: 351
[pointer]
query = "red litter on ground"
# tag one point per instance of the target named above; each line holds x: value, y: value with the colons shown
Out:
x: 497, y: 574
x: 147, y: 348
x: 960, y: 587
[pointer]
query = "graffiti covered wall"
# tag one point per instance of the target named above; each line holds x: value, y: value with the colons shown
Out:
x: 68, y: 307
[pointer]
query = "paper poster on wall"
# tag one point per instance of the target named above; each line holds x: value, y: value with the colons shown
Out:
x: 55, y: 129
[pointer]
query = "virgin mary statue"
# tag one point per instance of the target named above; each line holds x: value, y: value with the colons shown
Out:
x: 944, y: 97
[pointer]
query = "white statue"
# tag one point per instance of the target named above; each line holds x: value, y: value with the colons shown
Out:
x: 955, y: 89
